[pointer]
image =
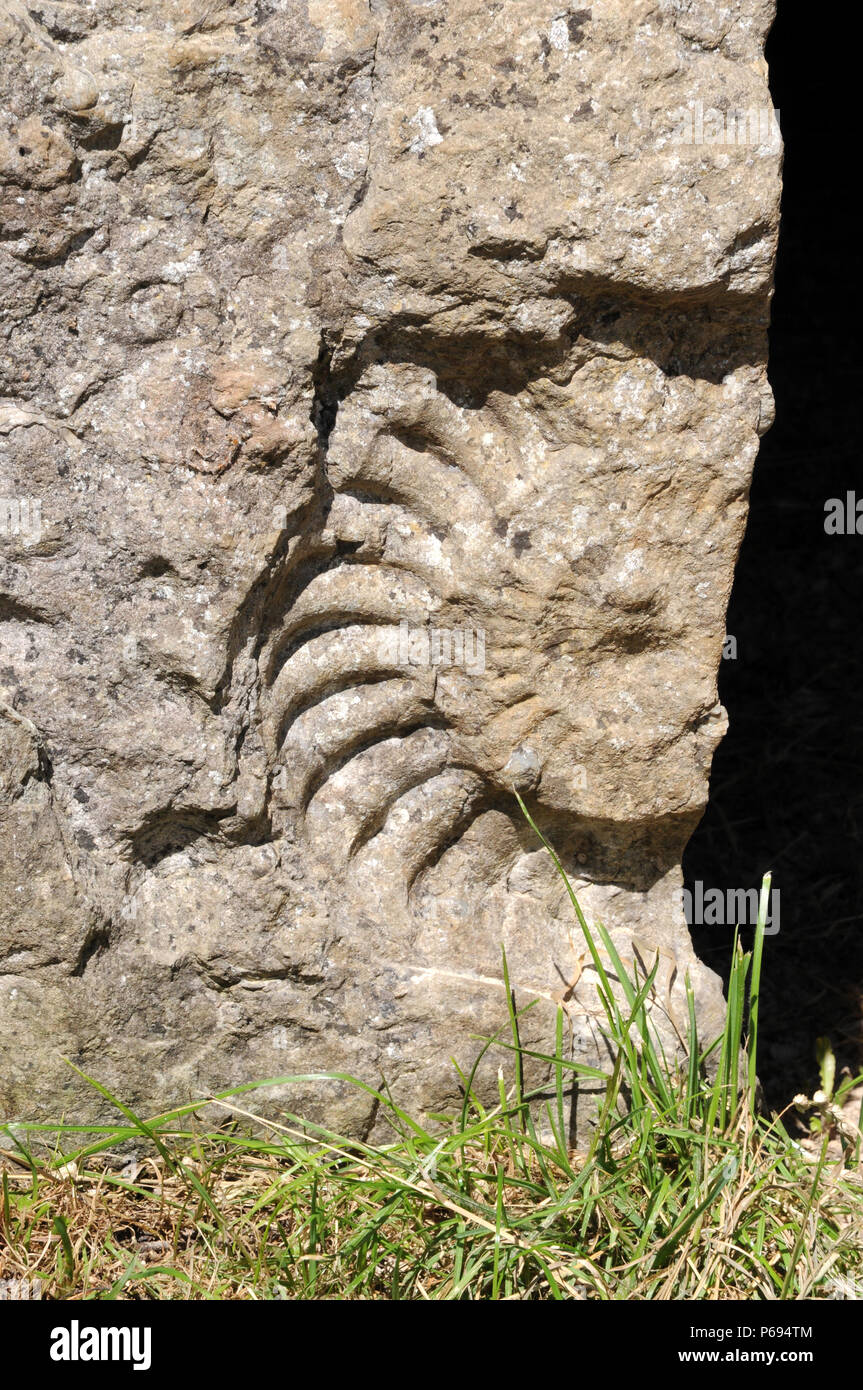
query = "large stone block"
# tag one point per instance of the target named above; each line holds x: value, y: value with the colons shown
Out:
x: 379, y: 394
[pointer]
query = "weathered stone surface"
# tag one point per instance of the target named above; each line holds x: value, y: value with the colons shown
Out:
x: 379, y: 395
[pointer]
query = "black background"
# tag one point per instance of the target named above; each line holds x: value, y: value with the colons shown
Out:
x: 786, y: 785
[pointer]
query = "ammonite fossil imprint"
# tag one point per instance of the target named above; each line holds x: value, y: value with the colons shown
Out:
x: 448, y: 632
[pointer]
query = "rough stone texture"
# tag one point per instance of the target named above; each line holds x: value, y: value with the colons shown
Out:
x: 325, y: 327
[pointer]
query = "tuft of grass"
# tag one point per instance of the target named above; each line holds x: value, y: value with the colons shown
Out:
x: 685, y: 1190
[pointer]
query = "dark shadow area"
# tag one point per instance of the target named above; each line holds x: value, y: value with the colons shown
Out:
x: 787, y: 783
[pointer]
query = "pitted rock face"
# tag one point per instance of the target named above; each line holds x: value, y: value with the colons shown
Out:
x: 380, y: 394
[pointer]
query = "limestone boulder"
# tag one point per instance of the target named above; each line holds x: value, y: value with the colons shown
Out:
x: 380, y: 388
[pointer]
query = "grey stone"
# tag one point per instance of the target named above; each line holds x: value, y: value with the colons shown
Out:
x: 379, y: 394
